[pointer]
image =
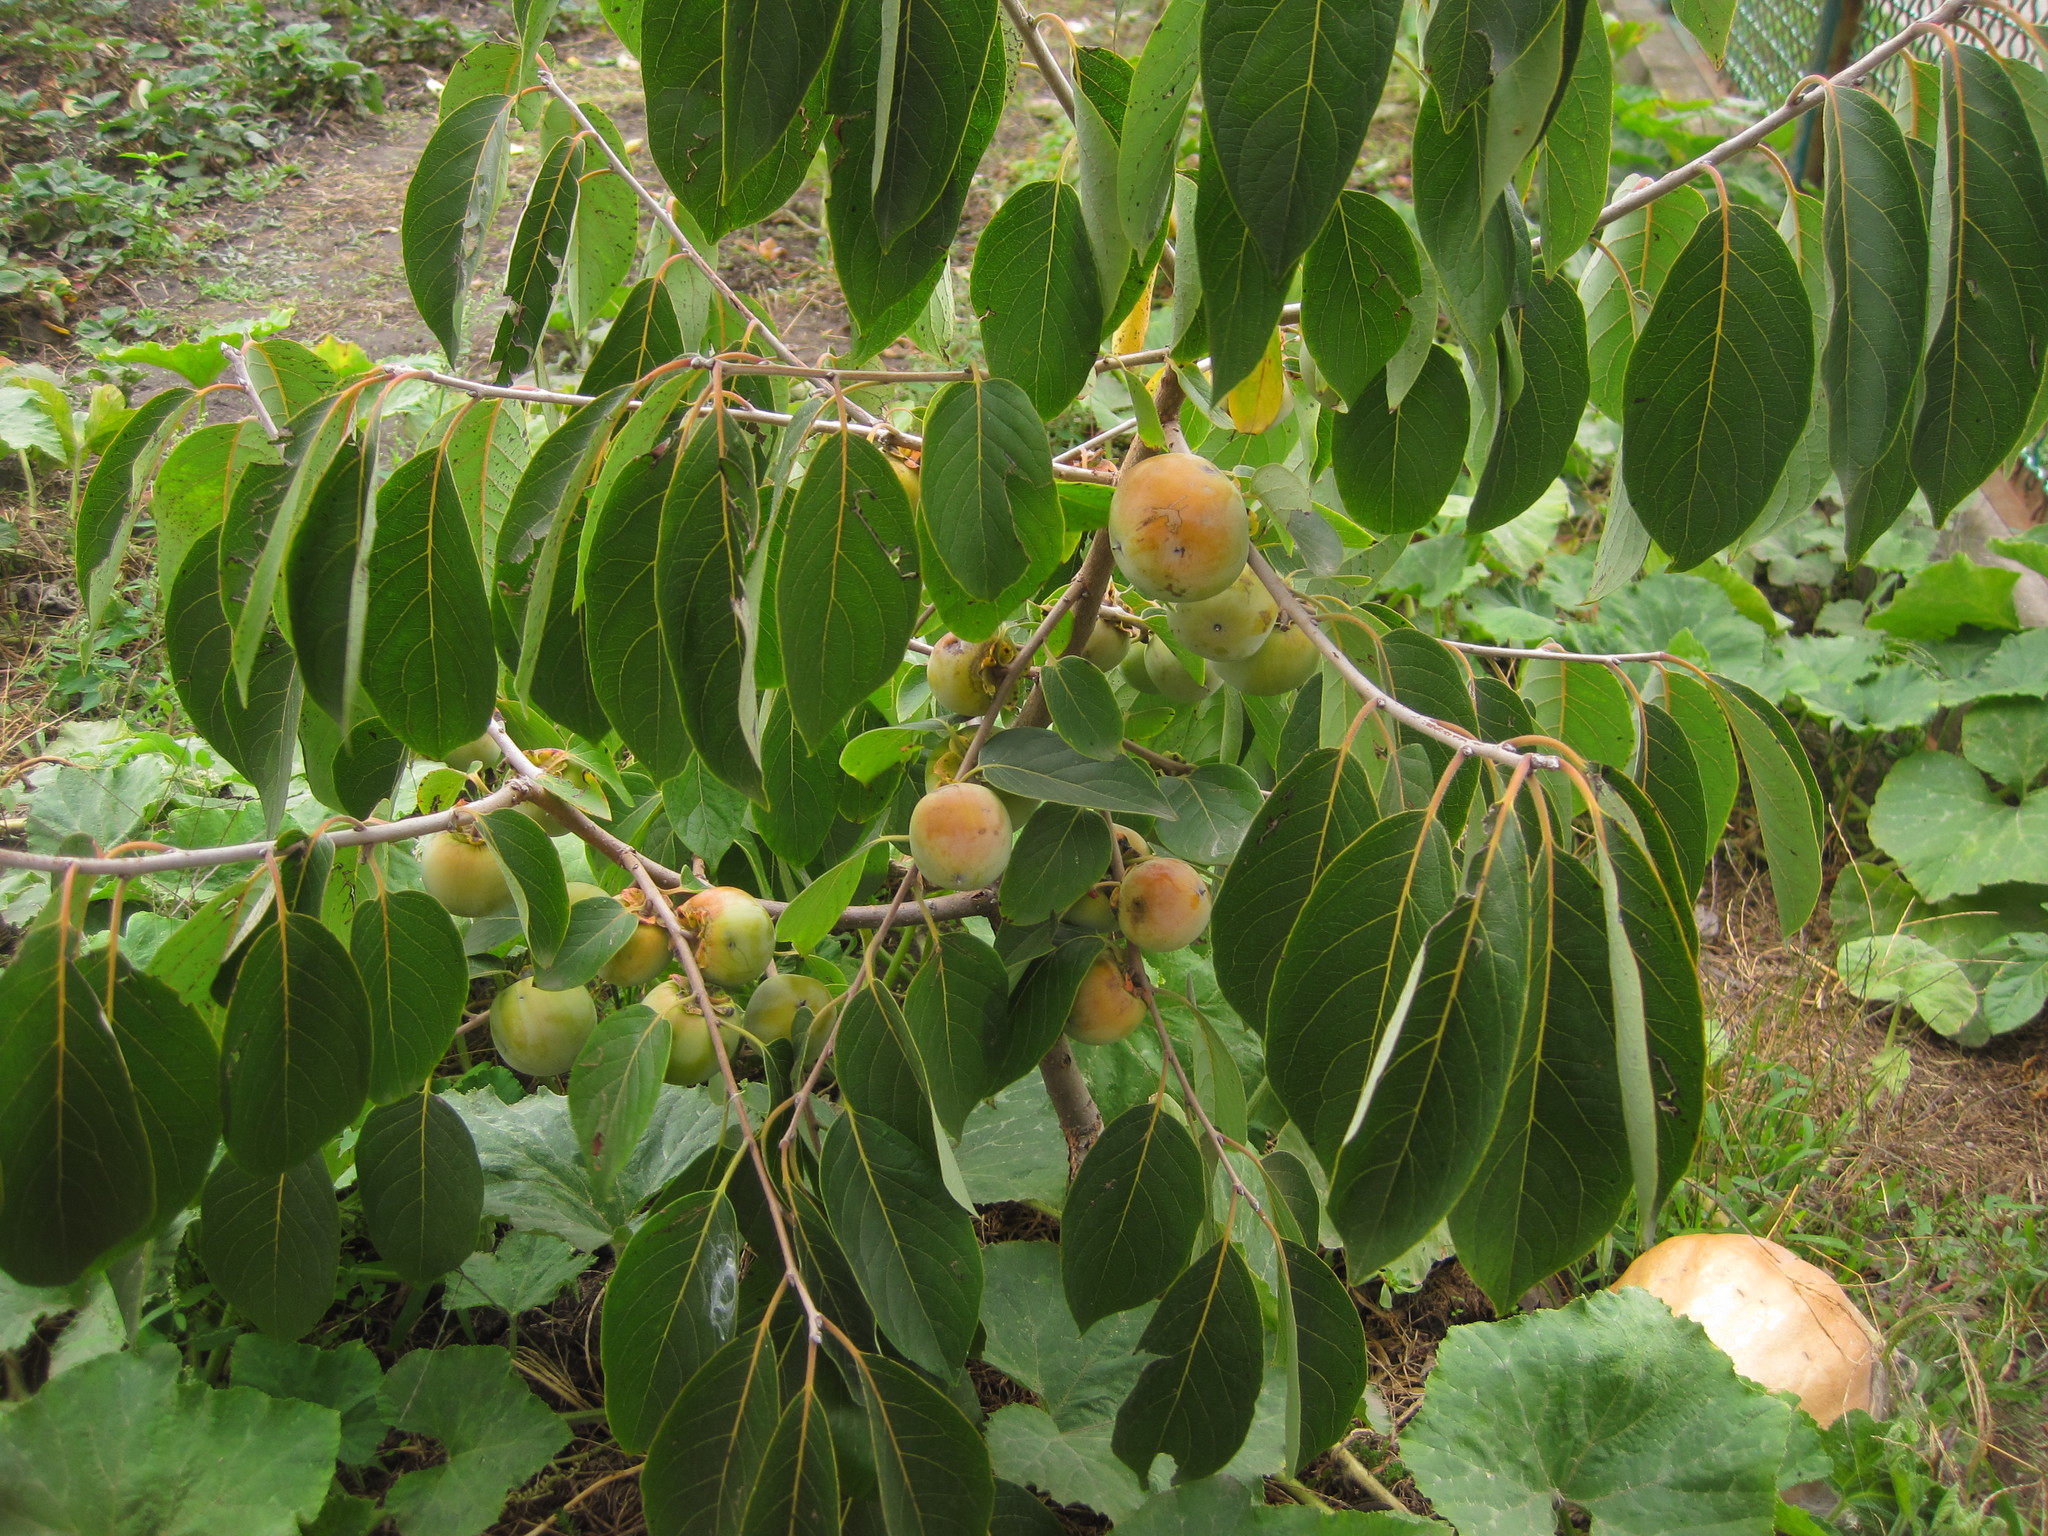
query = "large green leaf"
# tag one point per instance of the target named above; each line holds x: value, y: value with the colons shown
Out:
x: 295, y: 1050
x: 534, y: 531
x: 416, y: 983
x: 1571, y: 167
x: 1102, y: 91
x: 110, y: 503
x: 421, y: 1185
x: 1582, y: 704
x: 1952, y: 833
x: 1039, y: 1006
x: 1320, y: 808
x: 1620, y: 283
x: 326, y: 585
x: 1240, y: 297
x: 1290, y: 90
x: 1555, y: 1175
x: 1195, y: 1402
x: 1341, y: 977
x: 1154, y: 118
x: 1991, y: 268
x: 1532, y: 436
x: 75, y: 1156
x: 796, y: 1489
x: 644, y: 335
x: 846, y: 592
x: 630, y: 667
x: 1127, y: 1225
x: 1083, y: 707
x: 1395, y: 467
x: 1468, y: 232
x: 931, y: 1466
x: 1669, y: 773
x: 174, y: 1065
x: 540, y: 890
x: 122, y: 1444
x: 911, y: 1247
x: 1875, y: 233
x: 1788, y: 801
x: 1588, y: 1403
x: 956, y: 1003
x: 539, y: 248
x: 1080, y: 1375
x: 1357, y: 284
x: 1719, y: 386
x: 1026, y: 760
x: 1061, y: 852
x: 1328, y: 1351
x: 195, y: 485
x: 615, y: 1088
x: 496, y: 1432
x: 448, y: 203
x: 704, y: 1456
x: 1441, y: 1059
x: 700, y: 567
x: 1041, y: 314
x: 802, y: 787
x: 773, y: 50
x: 668, y: 1309
x: 428, y: 662
x: 989, y: 500
x: 271, y: 1243
x: 929, y: 73
x: 253, y: 734
x: 1214, y: 806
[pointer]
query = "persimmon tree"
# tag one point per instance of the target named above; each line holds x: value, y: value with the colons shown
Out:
x: 821, y: 736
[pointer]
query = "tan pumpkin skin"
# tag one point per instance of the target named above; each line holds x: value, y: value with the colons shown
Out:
x: 1786, y: 1324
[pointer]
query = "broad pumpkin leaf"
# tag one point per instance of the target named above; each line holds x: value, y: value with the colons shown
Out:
x: 1395, y: 467
x: 668, y: 1309
x: 1195, y: 1402
x: 271, y: 1243
x: 1290, y: 90
x: 1357, y: 288
x: 497, y: 1434
x: 1952, y: 833
x: 448, y: 203
x: 1719, y: 385
x: 1131, y: 1217
x: 421, y: 1186
x: 615, y: 1087
x: 1034, y: 286
x: 1875, y: 231
x: 415, y: 981
x: 1533, y: 435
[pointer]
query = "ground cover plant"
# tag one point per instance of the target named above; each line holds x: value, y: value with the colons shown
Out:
x: 864, y: 834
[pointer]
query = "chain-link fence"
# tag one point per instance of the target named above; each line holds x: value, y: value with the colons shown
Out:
x: 1774, y: 43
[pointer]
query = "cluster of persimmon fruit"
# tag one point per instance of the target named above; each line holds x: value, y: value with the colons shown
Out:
x: 1181, y: 536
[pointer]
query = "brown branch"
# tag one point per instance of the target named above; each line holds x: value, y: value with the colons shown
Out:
x: 1072, y: 1103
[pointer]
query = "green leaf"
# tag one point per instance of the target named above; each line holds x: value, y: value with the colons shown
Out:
x: 538, y: 521
x: 1084, y: 707
x: 1013, y: 1149
x: 1080, y: 1375
x: 1215, y: 806
x: 1584, y: 705
x: 879, y: 1072
x: 1034, y: 287
x: 1395, y: 467
x: 1939, y: 599
x: 2008, y: 739
x: 911, y: 1247
x: 1903, y: 968
x: 668, y: 1308
x: 1240, y: 297
x: 956, y: 1002
x: 1074, y: 1466
x: 615, y: 1088
x: 773, y: 50
x: 448, y: 203
x: 1788, y: 802
x: 1357, y: 288
x: 796, y: 1491
x: 496, y: 1432
x: 989, y: 501
x: 1693, y: 705
x: 1571, y: 165
x: 1039, y: 1009
x: 1154, y: 119
x: 490, y: 68
x: 1468, y: 232
x: 534, y: 871
x: 802, y: 787
x: 1875, y: 232
x: 1025, y: 760
x: 287, y: 377
x: 1719, y: 386
x: 254, y: 735
x: 925, y: 102
x: 1441, y: 1058
x: 1195, y: 1402
x: 630, y: 667
x: 817, y: 906
x: 1555, y: 1175
x: 1340, y: 980
x: 295, y: 1051
x: 428, y: 662
x: 271, y: 1243
x: 931, y: 1467
x: 1586, y: 1403
x: 1669, y: 774
x: 344, y: 1377
x: 409, y: 956
x: 1983, y: 365
x: 1290, y: 90
x: 174, y: 1066
x: 1617, y: 293
x: 708, y: 522
x: 120, y: 1444
x: 1329, y: 1350
x: 1321, y: 806
x: 1131, y: 1217
x: 422, y: 1188
x: 195, y: 485
x: 1533, y: 435
x: 112, y: 498
x: 644, y: 335
x: 872, y: 754
x: 1951, y: 832
x: 846, y: 593
x: 1061, y: 853
x: 539, y: 248
x: 75, y: 1156
x: 704, y: 1455
x: 326, y: 586
x: 1102, y: 88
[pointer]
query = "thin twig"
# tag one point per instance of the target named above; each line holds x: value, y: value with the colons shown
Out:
x: 1048, y: 67
x: 240, y: 370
